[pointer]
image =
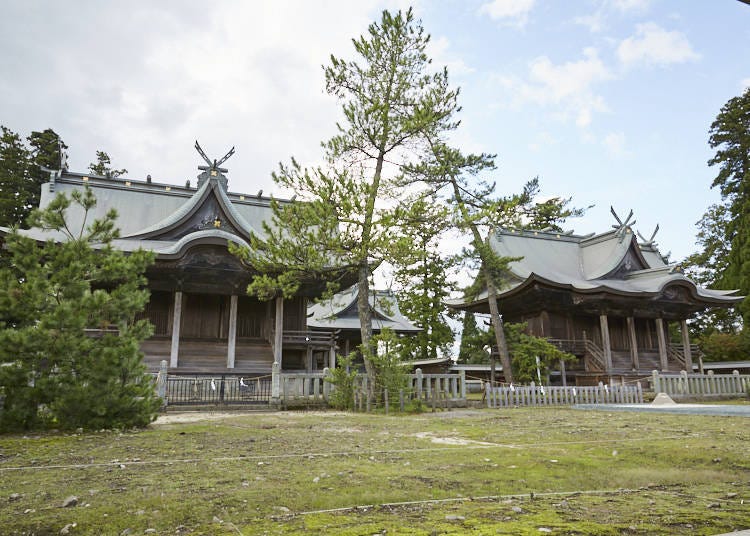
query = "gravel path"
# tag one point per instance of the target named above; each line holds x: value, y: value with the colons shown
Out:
x: 688, y: 409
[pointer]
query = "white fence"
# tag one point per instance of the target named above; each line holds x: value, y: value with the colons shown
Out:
x: 540, y: 395
x: 684, y: 385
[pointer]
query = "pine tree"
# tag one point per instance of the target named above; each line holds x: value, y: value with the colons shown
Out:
x: 423, y: 275
x: 393, y: 102
x: 21, y: 173
x: 52, y: 371
x: 473, y: 342
x: 15, y: 180
x: 103, y: 166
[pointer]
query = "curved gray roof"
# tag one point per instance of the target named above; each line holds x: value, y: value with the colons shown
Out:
x: 340, y: 312
x: 612, y: 262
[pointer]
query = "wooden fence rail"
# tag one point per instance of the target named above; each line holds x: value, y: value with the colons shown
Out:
x: 684, y: 385
x: 540, y: 395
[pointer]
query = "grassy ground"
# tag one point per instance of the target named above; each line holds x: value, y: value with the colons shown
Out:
x: 520, y: 471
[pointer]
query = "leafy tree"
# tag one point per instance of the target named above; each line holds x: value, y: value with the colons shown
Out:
x: 52, y: 371
x: 525, y: 350
x: 22, y: 173
x: 393, y: 102
x: 103, y: 166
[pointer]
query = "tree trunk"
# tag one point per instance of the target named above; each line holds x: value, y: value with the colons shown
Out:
x: 365, y: 322
x: 497, y: 324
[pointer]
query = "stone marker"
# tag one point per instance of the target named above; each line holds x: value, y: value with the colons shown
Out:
x: 663, y: 399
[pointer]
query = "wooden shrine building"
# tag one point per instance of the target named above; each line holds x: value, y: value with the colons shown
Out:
x: 204, y: 321
x: 607, y: 298
x: 340, y: 316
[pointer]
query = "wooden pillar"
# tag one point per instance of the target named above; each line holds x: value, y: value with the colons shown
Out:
x: 662, y: 338
x: 606, y: 344
x: 332, y: 358
x: 176, y: 319
x: 278, y: 334
x: 309, y: 359
x: 232, y: 338
x: 633, y: 343
x: 346, y: 348
x: 686, y: 346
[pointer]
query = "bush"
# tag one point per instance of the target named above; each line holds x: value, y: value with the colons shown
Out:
x: 344, y: 380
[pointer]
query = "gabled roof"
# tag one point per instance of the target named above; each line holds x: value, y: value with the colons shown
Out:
x: 163, y: 218
x: 340, y: 312
x: 612, y: 262
x: 208, y: 207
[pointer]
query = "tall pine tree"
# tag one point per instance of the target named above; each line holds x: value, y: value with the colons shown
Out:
x: 393, y: 102
x: 724, y: 230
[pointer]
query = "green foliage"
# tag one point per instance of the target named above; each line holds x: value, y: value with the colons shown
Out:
x: 344, y: 379
x: 21, y: 174
x: 103, y: 167
x: 526, y: 348
x: 423, y: 276
x: 721, y: 346
x: 391, y: 372
x: 724, y: 230
x: 52, y: 372
x: 393, y: 103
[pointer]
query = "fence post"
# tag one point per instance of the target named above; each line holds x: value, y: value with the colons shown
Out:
x: 655, y: 381
x: 161, y: 382
x: 736, y: 381
x: 326, y: 384
x: 385, y: 399
x: 639, y: 393
x: 488, y: 394
x: 401, y: 400
x: 462, y: 379
x: 275, y: 382
x: 221, y: 389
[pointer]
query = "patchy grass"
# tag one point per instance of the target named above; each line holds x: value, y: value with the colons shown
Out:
x: 470, y: 471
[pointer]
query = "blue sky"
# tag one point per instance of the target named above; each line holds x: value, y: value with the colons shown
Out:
x: 607, y: 101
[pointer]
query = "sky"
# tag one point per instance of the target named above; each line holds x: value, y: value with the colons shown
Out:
x: 606, y: 101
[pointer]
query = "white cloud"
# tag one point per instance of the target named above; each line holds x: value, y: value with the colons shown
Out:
x: 568, y: 86
x: 631, y: 5
x: 653, y: 45
x: 614, y: 143
x: 594, y: 22
x: 514, y: 10
x: 439, y: 51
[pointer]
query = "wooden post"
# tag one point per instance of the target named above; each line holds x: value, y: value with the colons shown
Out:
x: 332, y: 356
x: 176, y: 319
x: 606, y: 344
x: 661, y: 337
x: 309, y: 359
x: 232, y: 339
x: 633, y: 343
x: 686, y: 346
x: 462, y: 379
x: 278, y: 335
x: 161, y: 382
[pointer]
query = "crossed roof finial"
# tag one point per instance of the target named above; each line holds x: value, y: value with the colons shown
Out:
x: 215, y: 164
x: 622, y: 225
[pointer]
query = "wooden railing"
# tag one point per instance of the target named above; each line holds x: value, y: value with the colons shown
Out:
x: 700, y: 385
x: 676, y: 353
x: 592, y: 354
x: 306, y: 338
x: 539, y: 395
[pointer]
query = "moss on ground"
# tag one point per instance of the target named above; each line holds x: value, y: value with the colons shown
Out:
x: 263, y: 473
